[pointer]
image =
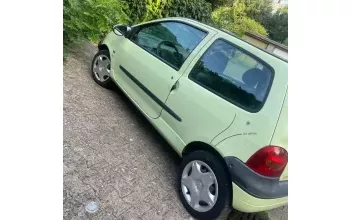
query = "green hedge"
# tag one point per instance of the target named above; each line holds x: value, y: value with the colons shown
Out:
x: 235, y: 20
x: 199, y: 10
x: 154, y: 9
x: 90, y: 19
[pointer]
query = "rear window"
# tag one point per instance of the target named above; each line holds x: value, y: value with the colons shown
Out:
x: 233, y: 74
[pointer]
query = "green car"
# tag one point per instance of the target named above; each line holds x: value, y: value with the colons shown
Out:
x: 220, y: 102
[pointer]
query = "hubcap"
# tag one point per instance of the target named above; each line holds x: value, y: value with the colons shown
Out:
x: 101, y: 68
x: 199, y: 186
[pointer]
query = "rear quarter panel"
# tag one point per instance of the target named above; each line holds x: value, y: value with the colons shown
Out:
x: 251, y: 131
x: 280, y: 137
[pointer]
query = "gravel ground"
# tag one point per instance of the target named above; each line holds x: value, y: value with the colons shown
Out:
x: 113, y: 155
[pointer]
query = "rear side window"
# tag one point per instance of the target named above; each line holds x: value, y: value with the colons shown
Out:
x: 234, y: 75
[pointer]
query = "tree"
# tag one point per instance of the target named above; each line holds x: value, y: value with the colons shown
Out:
x: 262, y: 12
x: 154, y: 9
x: 136, y: 10
x: 199, y: 10
x: 90, y: 19
x: 235, y: 20
x: 278, y: 25
x: 219, y: 3
x: 259, y: 10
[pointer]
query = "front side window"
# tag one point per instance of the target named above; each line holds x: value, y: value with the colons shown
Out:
x: 170, y: 41
x: 234, y: 75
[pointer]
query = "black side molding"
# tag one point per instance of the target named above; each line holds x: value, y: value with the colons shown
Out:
x: 150, y: 94
x: 253, y: 183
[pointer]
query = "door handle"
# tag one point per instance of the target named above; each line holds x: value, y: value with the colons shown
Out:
x: 174, y: 86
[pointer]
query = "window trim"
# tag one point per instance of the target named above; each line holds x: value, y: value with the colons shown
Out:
x: 224, y: 97
x: 138, y: 27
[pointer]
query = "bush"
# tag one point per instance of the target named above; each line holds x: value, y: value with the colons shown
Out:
x: 248, y: 24
x: 259, y: 10
x: 219, y: 3
x: 235, y: 20
x: 278, y: 25
x: 223, y: 18
x: 136, y: 10
x: 155, y: 9
x: 91, y: 19
x: 199, y: 10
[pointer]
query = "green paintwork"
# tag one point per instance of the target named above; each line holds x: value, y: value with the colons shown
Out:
x: 246, y: 203
x: 205, y: 116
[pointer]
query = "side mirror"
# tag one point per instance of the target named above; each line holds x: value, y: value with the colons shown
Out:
x: 121, y: 29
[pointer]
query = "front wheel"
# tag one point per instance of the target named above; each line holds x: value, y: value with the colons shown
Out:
x: 101, y: 69
x: 204, y: 186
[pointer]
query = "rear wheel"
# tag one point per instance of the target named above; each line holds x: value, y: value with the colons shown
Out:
x: 101, y: 69
x: 204, y: 186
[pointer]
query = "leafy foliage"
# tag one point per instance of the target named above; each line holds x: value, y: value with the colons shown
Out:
x: 239, y: 10
x: 248, y: 24
x: 199, y: 10
x: 223, y: 17
x: 90, y: 19
x: 155, y: 9
x: 235, y: 20
x: 284, y: 9
x: 219, y: 3
x: 136, y: 10
x: 259, y: 10
x: 278, y: 26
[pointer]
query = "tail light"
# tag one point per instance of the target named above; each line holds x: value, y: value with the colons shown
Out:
x: 269, y: 161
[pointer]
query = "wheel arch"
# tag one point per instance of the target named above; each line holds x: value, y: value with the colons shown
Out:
x: 103, y: 47
x: 198, y: 145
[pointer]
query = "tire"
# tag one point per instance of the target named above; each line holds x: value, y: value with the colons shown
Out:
x: 106, y: 82
x: 221, y: 207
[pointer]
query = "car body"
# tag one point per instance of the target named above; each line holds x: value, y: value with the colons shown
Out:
x: 206, y: 90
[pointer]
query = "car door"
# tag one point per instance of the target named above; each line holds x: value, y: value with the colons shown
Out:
x: 151, y: 60
x: 222, y: 86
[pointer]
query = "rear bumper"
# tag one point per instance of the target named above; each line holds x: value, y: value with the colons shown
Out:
x: 244, y: 202
x: 253, y: 192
